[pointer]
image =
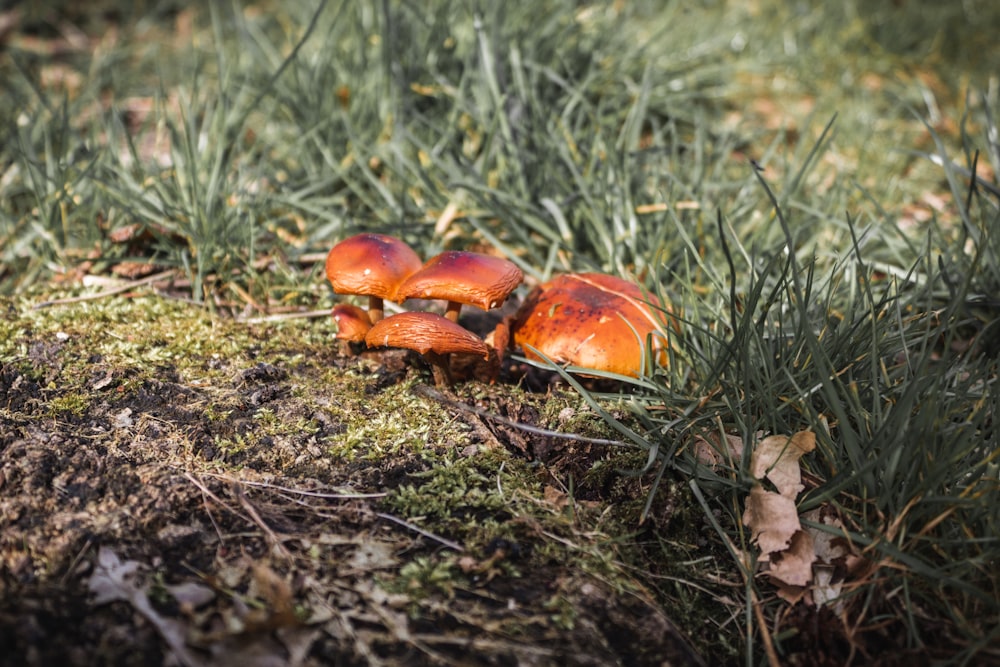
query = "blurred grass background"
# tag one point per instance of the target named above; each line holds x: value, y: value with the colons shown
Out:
x: 812, y: 184
x: 247, y: 136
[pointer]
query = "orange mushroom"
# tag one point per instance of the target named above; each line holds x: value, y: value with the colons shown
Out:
x: 463, y: 278
x: 431, y: 335
x: 352, y: 322
x: 591, y: 320
x: 352, y: 325
x: 372, y: 265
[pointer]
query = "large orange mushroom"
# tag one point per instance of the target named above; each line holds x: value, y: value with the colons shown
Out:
x: 460, y: 277
x: 591, y: 320
x: 372, y: 265
x: 432, y: 335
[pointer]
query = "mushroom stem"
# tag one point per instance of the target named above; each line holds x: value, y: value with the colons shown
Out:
x: 376, y: 309
x: 454, y: 307
x: 440, y: 369
x: 500, y: 339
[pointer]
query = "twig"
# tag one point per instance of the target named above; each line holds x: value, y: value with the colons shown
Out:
x: 280, y: 317
x: 211, y: 494
x: 433, y: 394
x: 108, y: 292
x: 486, y: 646
x: 72, y: 566
x: 301, y: 492
x: 252, y: 515
x: 420, y: 531
x: 276, y: 542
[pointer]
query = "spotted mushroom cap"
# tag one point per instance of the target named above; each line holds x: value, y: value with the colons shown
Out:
x: 370, y: 265
x: 591, y: 320
x: 464, y: 277
x: 425, y: 332
x: 352, y: 322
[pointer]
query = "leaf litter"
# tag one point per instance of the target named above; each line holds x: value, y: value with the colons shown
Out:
x: 801, y: 561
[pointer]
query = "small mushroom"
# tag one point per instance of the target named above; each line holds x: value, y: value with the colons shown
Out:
x: 431, y: 335
x: 463, y: 278
x: 352, y: 325
x: 591, y: 320
x: 372, y: 265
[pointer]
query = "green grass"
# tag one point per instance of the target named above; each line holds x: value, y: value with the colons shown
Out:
x: 826, y: 291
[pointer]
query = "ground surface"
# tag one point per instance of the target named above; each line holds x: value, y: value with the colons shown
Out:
x: 176, y: 489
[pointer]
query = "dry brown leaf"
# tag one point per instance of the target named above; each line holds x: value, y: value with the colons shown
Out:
x: 555, y: 497
x: 708, y: 451
x: 829, y: 547
x: 190, y: 595
x: 705, y: 453
x: 789, y: 593
x: 794, y: 564
x: 825, y: 591
x: 114, y: 580
x: 777, y: 458
x: 772, y: 518
x: 271, y: 587
x: 373, y: 555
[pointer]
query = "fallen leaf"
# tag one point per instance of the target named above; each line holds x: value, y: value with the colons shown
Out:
x: 825, y: 591
x: 373, y: 555
x: 794, y: 564
x: 789, y: 593
x: 832, y: 550
x: 709, y: 451
x: 829, y: 546
x: 555, y: 497
x: 777, y: 458
x: 114, y: 580
x: 191, y: 595
x: 276, y: 592
x: 772, y: 518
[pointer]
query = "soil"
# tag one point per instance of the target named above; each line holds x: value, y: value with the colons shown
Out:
x: 176, y: 490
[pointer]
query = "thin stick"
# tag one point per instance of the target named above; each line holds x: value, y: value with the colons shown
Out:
x: 301, y: 492
x: 765, y: 633
x: 279, y: 317
x: 272, y: 537
x: 417, y: 529
x: 72, y: 566
x: 108, y: 292
x: 444, y: 400
x: 209, y: 493
x: 254, y: 516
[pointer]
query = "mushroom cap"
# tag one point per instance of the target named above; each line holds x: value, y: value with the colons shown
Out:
x: 352, y: 322
x: 464, y: 277
x: 370, y: 265
x: 591, y: 320
x: 425, y: 332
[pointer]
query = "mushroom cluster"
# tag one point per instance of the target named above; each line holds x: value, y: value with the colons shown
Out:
x: 589, y: 320
x: 384, y: 268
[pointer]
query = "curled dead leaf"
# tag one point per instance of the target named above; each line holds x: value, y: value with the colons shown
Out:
x: 777, y: 458
x: 772, y: 519
x: 794, y: 564
x: 711, y: 450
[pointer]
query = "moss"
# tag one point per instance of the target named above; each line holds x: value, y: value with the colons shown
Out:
x: 68, y: 405
x: 165, y: 379
x: 461, y: 493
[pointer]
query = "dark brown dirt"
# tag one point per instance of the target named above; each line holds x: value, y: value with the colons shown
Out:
x: 133, y: 532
